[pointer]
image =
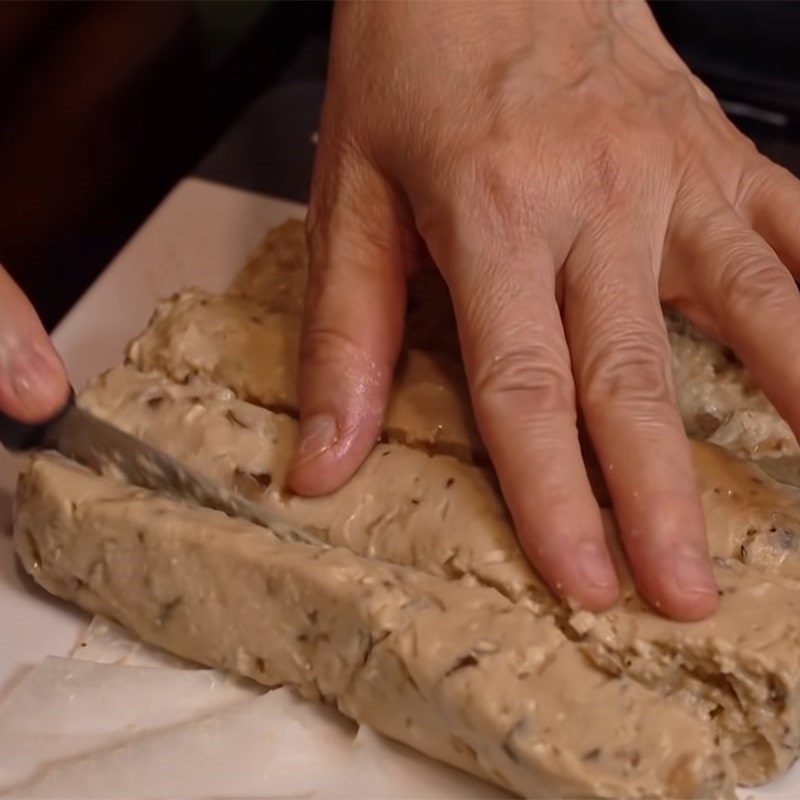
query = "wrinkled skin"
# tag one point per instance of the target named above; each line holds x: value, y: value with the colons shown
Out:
x: 565, y: 172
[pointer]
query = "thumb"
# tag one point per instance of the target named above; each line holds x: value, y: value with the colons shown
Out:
x: 33, y: 382
x: 352, y: 326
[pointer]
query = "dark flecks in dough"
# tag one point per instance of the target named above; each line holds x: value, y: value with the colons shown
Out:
x: 155, y: 402
x: 777, y: 693
x: 251, y: 485
x: 234, y: 420
x: 466, y: 661
x: 592, y: 755
x: 370, y: 643
x: 167, y: 609
x: 706, y: 424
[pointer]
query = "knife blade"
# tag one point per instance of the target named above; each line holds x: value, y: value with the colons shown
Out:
x: 101, y: 446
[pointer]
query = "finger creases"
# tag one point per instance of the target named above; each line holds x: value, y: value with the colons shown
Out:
x: 621, y: 362
x: 518, y: 369
x: 352, y: 323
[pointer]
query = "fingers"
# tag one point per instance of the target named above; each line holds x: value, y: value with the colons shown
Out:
x: 352, y: 326
x: 33, y: 382
x: 518, y: 368
x: 622, y: 366
x: 742, y: 294
x: 770, y: 202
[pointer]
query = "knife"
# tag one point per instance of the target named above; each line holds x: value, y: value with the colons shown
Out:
x: 99, y: 445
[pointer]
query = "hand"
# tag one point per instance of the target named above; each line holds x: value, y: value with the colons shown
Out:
x: 33, y: 383
x: 566, y: 172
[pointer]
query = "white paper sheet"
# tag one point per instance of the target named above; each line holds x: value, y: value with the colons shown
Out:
x: 123, y: 720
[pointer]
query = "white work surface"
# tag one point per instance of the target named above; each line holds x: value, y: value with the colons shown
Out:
x: 154, y: 728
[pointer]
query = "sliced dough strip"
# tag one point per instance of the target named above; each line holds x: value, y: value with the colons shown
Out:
x: 457, y: 672
x: 444, y: 517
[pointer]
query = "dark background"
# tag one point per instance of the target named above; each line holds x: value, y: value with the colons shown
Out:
x: 104, y: 106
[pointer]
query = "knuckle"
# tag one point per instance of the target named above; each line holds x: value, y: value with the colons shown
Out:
x: 529, y: 378
x: 628, y: 368
x: 612, y: 150
x: 327, y: 345
x: 498, y: 176
x: 753, y: 280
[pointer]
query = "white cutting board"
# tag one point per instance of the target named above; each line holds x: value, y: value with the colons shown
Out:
x: 200, y: 235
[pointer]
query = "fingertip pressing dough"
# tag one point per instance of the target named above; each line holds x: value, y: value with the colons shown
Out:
x: 239, y: 343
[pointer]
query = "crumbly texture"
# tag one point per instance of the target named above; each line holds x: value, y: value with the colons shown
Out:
x: 720, y: 401
x: 238, y: 343
x: 439, y: 515
x: 212, y: 380
x: 456, y: 671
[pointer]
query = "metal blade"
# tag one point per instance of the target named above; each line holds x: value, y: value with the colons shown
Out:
x: 100, y: 445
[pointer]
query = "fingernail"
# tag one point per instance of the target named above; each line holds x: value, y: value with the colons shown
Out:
x: 596, y: 566
x: 691, y: 573
x: 316, y: 435
x: 36, y: 376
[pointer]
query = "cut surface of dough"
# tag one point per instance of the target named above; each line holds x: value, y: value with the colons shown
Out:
x: 212, y: 381
x: 456, y: 671
x: 438, y: 515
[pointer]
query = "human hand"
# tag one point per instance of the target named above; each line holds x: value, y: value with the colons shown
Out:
x: 33, y: 382
x: 566, y: 172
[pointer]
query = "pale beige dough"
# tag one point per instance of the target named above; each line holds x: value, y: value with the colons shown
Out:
x: 436, y: 514
x: 720, y: 401
x: 275, y: 274
x: 275, y: 277
x: 458, y: 672
x: 238, y: 343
